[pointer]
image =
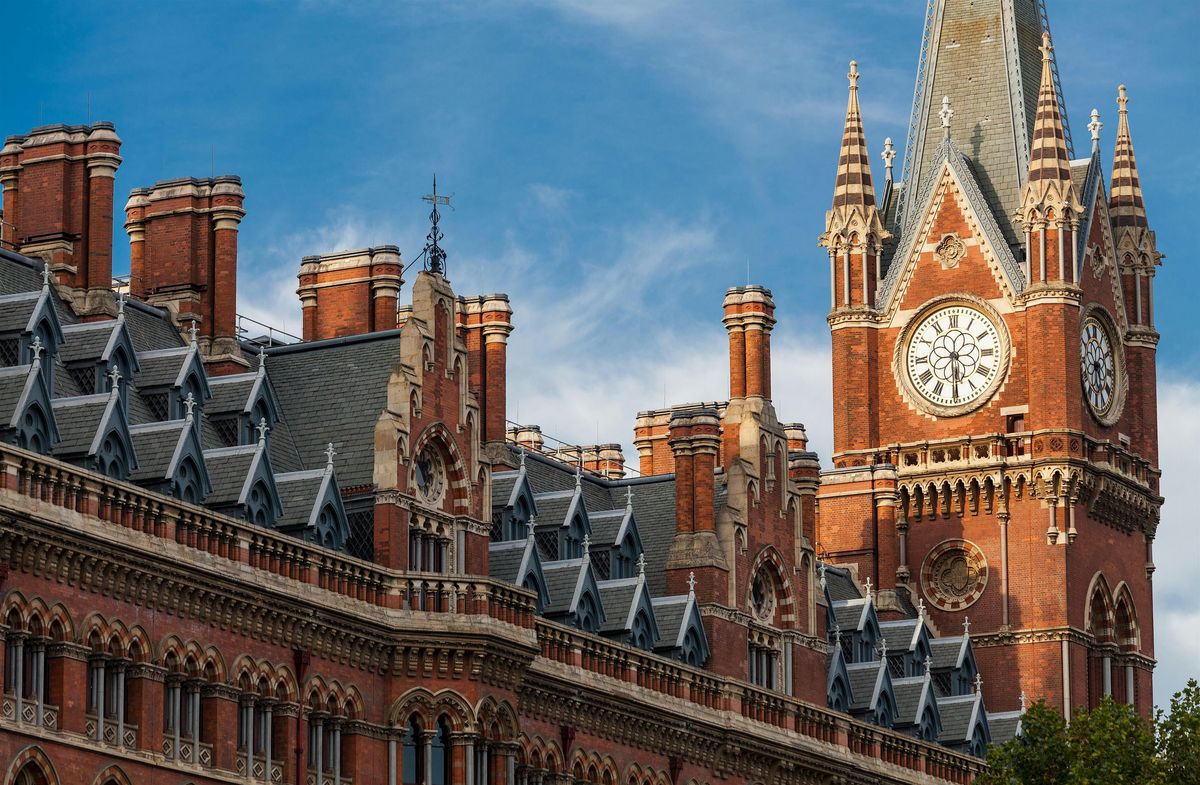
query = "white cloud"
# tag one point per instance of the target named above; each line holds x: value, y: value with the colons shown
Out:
x: 1176, y: 603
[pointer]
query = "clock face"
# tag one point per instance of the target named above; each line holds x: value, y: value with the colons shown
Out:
x: 953, y: 356
x: 1098, y: 365
x: 430, y: 475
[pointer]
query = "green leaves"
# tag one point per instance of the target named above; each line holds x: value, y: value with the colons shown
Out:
x: 1110, y: 745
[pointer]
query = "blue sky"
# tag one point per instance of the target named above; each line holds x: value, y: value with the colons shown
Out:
x: 615, y: 165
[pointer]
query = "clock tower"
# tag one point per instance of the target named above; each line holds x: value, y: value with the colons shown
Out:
x: 995, y: 429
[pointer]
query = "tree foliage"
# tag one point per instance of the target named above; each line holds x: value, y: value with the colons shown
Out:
x: 1110, y: 745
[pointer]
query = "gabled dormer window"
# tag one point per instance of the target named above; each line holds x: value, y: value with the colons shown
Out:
x: 112, y: 459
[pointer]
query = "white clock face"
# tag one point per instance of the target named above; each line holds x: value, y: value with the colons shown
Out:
x: 953, y: 356
x: 1098, y: 366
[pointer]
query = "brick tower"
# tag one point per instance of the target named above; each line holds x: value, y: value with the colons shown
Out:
x: 995, y: 434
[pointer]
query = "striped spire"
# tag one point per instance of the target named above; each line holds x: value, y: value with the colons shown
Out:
x: 1048, y: 157
x: 854, y: 163
x: 1125, y: 201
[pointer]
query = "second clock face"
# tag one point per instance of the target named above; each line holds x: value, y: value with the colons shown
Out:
x: 953, y: 356
x: 1098, y: 365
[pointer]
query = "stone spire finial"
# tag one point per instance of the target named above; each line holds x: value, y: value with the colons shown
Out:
x: 691, y: 585
x: 1048, y: 157
x: 329, y: 454
x: 36, y: 348
x: 966, y: 625
x: 45, y: 276
x: 189, y: 406
x: 947, y: 114
x: 521, y: 465
x: 854, y: 186
x: 579, y: 475
x: 120, y: 306
x: 628, y: 497
x: 193, y: 331
x: 837, y: 634
x: 978, y: 683
x: 641, y: 567
x: 531, y: 530
x: 262, y: 429
x: 587, y: 545
x: 1125, y: 200
x: 928, y: 667
x: 114, y: 377
x: 1095, y: 127
x: 821, y: 572
x: 921, y: 609
x: 883, y: 651
x: 1023, y: 701
x: 869, y: 590
x: 262, y: 358
x: 889, y: 157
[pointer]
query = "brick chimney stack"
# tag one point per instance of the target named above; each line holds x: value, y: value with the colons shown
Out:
x: 350, y: 292
x: 183, y: 257
x: 695, y: 439
x: 749, y: 318
x: 485, y: 322
x: 528, y: 436
x: 58, y: 205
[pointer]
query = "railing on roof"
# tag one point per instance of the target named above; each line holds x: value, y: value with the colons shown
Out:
x: 272, y: 337
x: 59, y: 485
x: 565, y: 449
x: 64, y: 486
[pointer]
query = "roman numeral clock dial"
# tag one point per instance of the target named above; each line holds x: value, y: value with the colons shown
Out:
x: 953, y: 359
x: 1098, y: 365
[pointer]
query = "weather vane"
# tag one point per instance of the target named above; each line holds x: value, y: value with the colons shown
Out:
x: 435, y: 255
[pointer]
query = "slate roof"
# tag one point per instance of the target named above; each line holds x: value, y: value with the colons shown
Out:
x: 505, y: 558
x: 618, y: 598
x: 900, y: 635
x: 563, y: 579
x: 909, y: 698
x: 16, y: 310
x: 310, y: 385
x: 850, y: 614
x: 840, y: 585
x: 86, y: 341
x: 155, y: 445
x: 503, y: 486
x: 161, y: 367
x: 864, y: 676
x: 947, y: 653
x: 1004, y: 726
x: 78, y: 419
x: 230, y: 393
x: 13, y: 382
x: 298, y: 493
x: 956, y: 714
x: 670, y: 613
x: 227, y: 471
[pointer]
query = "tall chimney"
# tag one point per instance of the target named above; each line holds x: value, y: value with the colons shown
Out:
x: 695, y: 441
x: 58, y: 206
x: 485, y: 322
x: 528, y: 436
x: 183, y: 257
x: 350, y: 292
x: 749, y: 318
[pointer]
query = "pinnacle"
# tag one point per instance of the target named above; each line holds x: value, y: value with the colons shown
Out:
x: 1125, y: 201
x: 854, y: 185
x: 1048, y: 157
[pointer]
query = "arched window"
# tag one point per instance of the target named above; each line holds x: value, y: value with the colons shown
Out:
x: 692, y: 648
x: 31, y: 774
x: 439, y: 757
x: 183, y: 720
x: 641, y: 634
x: 256, y: 725
x: 34, y: 433
x: 414, y: 753
x: 187, y: 482
x: 325, y: 737
x: 587, y: 616
x: 258, y: 505
x: 26, y: 678
x: 111, y: 459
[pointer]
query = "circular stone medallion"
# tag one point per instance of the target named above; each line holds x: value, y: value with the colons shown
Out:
x: 954, y: 575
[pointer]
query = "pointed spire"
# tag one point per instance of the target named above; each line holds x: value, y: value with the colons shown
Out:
x: 853, y: 185
x: 1048, y: 156
x: 1125, y: 201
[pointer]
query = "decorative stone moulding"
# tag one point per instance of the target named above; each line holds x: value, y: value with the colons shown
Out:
x: 954, y: 575
x: 950, y: 250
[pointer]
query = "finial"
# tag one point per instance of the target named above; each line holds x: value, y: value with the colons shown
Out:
x: 821, y: 572
x: 921, y: 609
x: 530, y: 530
x: 1094, y: 126
x: 435, y: 256
x: 947, y: 114
x: 1046, y: 47
x: 966, y: 625
x: 522, y: 464
x: 189, y: 405
x: 882, y: 653
x: 928, y: 667
x: 889, y: 155
x: 978, y: 683
x: 587, y: 545
x: 629, y: 497
x: 120, y: 306
x: 641, y: 566
x: 1122, y: 100
x: 262, y: 358
x: 837, y: 634
x: 692, y: 585
x: 578, y: 475
x: 36, y: 349
x: 193, y: 331
x: 114, y: 376
x: 853, y: 75
x: 1023, y: 701
x: 329, y: 453
x: 262, y: 429
x: 870, y: 593
x: 46, y: 276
